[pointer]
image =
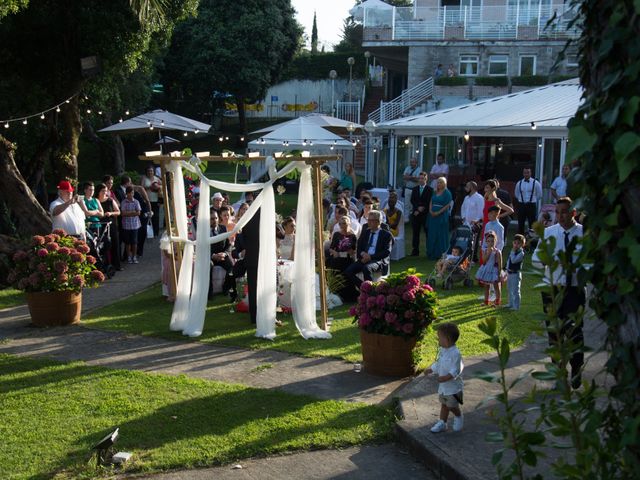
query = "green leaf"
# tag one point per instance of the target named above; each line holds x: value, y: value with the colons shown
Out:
x: 494, y: 437
x: 533, y: 438
x: 632, y: 107
x: 626, y: 144
x: 497, y: 456
x: 488, y: 326
x: 546, y: 376
x: 486, y: 376
x: 580, y: 142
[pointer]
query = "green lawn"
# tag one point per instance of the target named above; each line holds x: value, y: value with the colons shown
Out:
x: 52, y: 413
x: 146, y: 314
x: 10, y: 297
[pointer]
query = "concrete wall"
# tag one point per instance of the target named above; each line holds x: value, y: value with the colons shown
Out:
x: 424, y: 59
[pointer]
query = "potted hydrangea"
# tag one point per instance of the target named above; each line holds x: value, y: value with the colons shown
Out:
x: 392, y: 315
x: 52, y: 272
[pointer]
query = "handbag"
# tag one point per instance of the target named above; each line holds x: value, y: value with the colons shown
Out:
x: 149, y: 229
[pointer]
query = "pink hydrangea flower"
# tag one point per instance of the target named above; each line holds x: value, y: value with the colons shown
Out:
x: 427, y: 287
x: 64, y: 251
x: 408, y: 296
x: 63, y: 278
x: 78, y: 280
x: 38, y: 240
x: 407, y: 328
x: 77, y: 257
x: 413, y: 281
x: 60, y: 232
x: 91, y: 259
x: 48, y: 238
x: 390, y: 317
x: 42, y: 267
x: 371, y: 302
x: 352, y: 310
x: 99, y: 276
x: 84, y: 248
x: 60, y: 266
x: 42, y: 252
x: 381, y: 301
x: 366, y: 287
x: 19, y: 256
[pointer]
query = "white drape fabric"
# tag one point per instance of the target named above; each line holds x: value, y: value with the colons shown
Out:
x: 303, y: 293
x: 191, y: 298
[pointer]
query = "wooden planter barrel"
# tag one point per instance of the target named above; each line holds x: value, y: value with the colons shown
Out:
x: 50, y: 309
x: 387, y: 355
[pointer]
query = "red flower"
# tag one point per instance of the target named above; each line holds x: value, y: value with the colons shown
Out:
x: 97, y: 275
x: 77, y: 257
x: 64, y: 251
x: 78, y: 280
x: 52, y: 246
x: 59, y: 231
x: 38, y: 240
x: 60, y: 266
x: 91, y: 259
x: 42, y: 252
x: 63, y: 278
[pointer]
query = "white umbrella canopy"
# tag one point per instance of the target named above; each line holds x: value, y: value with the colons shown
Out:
x: 166, y: 139
x: 302, y: 136
x: 159, y: 120
x: 313, y: 119
x: 358, y: 14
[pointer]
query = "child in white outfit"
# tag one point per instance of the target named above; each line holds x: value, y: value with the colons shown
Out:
x: 514, y: 271
x: 448, y: 367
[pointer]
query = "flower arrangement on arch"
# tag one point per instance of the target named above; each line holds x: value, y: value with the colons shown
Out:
x: 53, y: 263
x: 401, y: 305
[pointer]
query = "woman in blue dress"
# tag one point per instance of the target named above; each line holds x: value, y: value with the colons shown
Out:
x: 438, y: 220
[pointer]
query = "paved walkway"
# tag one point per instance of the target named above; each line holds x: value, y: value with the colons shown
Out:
x: 448, y: 455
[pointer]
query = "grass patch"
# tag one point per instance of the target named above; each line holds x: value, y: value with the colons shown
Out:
x: 144, y: 314
x: 54, y: 412
x: 10, y: 297
x: 263, y: 367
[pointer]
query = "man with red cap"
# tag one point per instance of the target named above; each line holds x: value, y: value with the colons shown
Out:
x: 67, y: 212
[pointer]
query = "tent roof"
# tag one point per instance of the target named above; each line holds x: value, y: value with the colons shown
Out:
x: 160, y: 120
x: 297, y: 132
x: 357, y: 12
x: 550, y: 107
x: 313, y: 119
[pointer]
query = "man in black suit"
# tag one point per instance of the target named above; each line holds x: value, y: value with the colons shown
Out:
x: 221, y: 256
x: 420, y: 200
x: 373, y: 250
x: 251, y: 241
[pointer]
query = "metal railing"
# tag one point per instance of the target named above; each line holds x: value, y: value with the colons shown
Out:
x: 349, y: 111
x: 471, y: 23
x: 410, y: 98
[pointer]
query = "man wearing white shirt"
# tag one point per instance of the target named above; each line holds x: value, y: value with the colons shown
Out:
x: 67, y: 212
x: 559, y: 185
x: 472, y: 206
x: 439, y: 169
x: 567, y: 233
x: 411, y: 177
x: 528, y: 193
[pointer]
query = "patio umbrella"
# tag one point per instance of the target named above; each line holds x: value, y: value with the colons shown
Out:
x: 299, y: 135
x: 164, y: 140
x: 317, y: 119
x: 159, y: 120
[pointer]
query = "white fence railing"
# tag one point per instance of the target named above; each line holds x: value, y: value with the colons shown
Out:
x: 544, y: 20
x: 349, y: 111
x: 410, y: 98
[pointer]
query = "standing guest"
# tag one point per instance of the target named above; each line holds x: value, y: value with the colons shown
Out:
x: 567, y: 234
x: 514, y: 271
x: 472, y: 212
x: 505, y: 198
x: 93, y: 209
x: 348, y: 178
x: 448, y: 367
x: 393, y: 214
x: 438, y: 220
x: 438, y: 72
x: 130, y: 212
x: 372, y: 252
x: 107, y: 180
x: 439, y: 170
x: 411, y: 177
x: 451, y: 71
x: 67, y: 212
x: 251, y: 243
x: 153, y: 185
x: 528, y: 193
x: 140, y: 194
x: 420, y: 201
x: 559, y: 185
x: 491, y: 199
x: 288, y: 242
x: 488, y: 274
x: 111, y: 213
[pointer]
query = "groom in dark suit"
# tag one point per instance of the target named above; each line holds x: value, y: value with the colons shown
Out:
x: 372, y: 251
x: 420, y: 200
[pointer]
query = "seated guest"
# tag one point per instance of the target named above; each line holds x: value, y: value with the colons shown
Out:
x: 224, y: 218
x: 242, y: 209
x: 343, y: 245
x: 221, y: 256
x: 287, y: 243
x: 372, y: 252
x: 393, y: 214
x: 368, y: 207
x: 334, y: 223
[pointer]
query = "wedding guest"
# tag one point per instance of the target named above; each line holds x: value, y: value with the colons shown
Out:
x: 287, y: 243
x: 559, y: 185
x: 438, y: 220
x: 420, y: 201
x: 489, y: 273
x: 93, y: 208
x: 411, y: 178
x: 221, y: 256
x: 439, y: 170
x: 393, y: 214
x: 130, y: 211
x: 348, y: 178
x: 111, y: 214
x: 153, y: 186
x: 226, y: 222
x: 528, y: 193
x: 67, y: 212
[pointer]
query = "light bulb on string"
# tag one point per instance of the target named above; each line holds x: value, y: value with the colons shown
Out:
x: 375, y: 150
x: 406, y: 141
x: 58, y: 109
x: 42, y: 116
x: 466, y: 135
x: 66, y: 101
x: 126, y: 112
x: 150, y: 127
x: 311, y: 143
x: 6, y: 125
x: 24, y: 122
x: 226, y: 138
x: 162, y: 123
x: 120, y: 120
x: 459, y: 150
x: 533, y: 125
x: 304, y: 142
x: 99, y: 112
x: 88, y: 110
x: 184, y: 134
x: 540, y: 145
x: 500, y: 147
x: 353, y: 143
x: 220, y: 139
x: 196, y: 131
x: 242, y: 139
x: 331, y: 147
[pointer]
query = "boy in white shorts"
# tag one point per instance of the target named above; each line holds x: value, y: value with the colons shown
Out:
x: 448, y: 367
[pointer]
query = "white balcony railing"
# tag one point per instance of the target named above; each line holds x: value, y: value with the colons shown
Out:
x: 470, y: 23
x: 399, y: 106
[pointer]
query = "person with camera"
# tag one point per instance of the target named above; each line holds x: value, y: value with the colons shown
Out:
x: 68, y: 212
x: 153, y: 186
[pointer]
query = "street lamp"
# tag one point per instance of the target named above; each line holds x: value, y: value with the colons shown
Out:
x: 369, y: 127
x: 350, y: 61
x: 367, y: 77
x: 332, y: 75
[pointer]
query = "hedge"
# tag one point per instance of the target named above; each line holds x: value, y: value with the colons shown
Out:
x: 490, y: 81
x: 318, y: 66
x: 451, y: 81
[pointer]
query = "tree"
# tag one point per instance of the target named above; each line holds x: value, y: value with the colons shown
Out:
x: 351, y: 37
x: 235, y: 47
x: 314, y: 35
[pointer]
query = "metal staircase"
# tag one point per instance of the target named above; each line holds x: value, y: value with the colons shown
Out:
x: 403, y: 105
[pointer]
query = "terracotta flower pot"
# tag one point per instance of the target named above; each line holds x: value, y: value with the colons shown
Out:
x: 49, y: 309
x: 387, y: 355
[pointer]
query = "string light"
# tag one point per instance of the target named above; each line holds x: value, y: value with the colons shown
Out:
x: 88, y: 110
x: 459, y: 150
x: 226, y: 138
x: 220, y: 139
x: 99, y: 112
x: 162, y: 123
x: 24, y: 122
x: 42, y: 116
x: 58, y: 109
x: 126, y: 112
x: 375, y: 150
x: 242, y: 139
x: 406, y: 141
x: 304, y: 142
x: 184, y: 134
x: 197, y: 131
x: 417, y: 150
x: 466, y: 135
x: 310, y: 143
x: 500, y: 147
x: 331, y: 147
x: 533, y: 125
x: 6, y: 125
x: 120, y: 120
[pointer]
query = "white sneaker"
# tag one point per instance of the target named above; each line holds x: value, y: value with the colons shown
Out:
x: 458, y: 423
x: 130, y: 260
x: 135, y: 259
x: 439, y: 426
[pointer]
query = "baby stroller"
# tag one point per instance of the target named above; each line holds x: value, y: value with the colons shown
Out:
x: 458, y: 270
x: 99, y: 241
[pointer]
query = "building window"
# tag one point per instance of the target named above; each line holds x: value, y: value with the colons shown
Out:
x: 572, y: 61
x: 527, y: 65
x: 498, y: 65
x: 469, y: 65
